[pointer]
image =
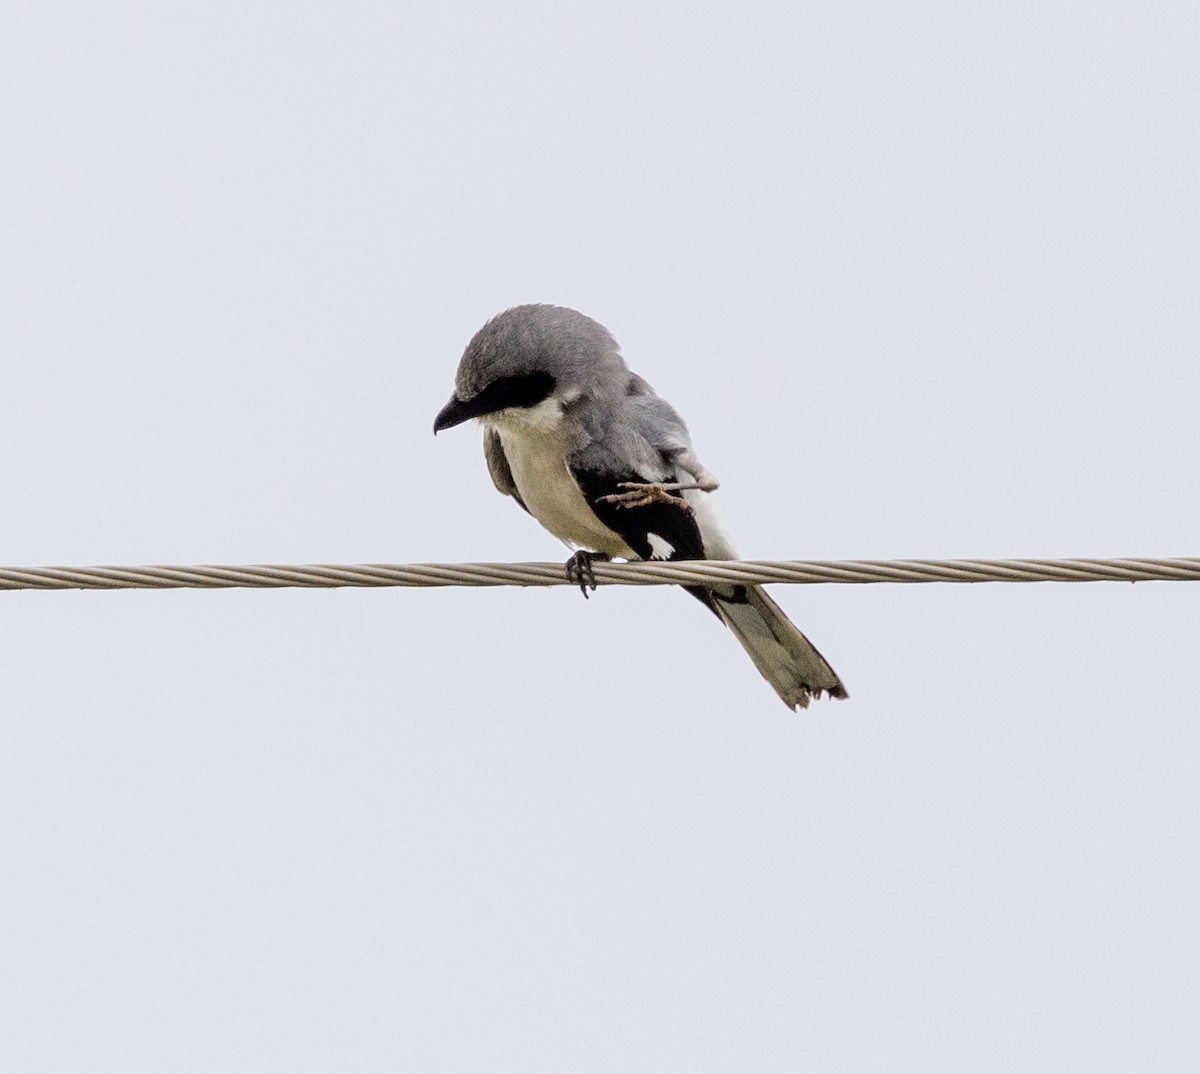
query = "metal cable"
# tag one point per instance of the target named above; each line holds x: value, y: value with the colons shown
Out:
x: 691, y: 572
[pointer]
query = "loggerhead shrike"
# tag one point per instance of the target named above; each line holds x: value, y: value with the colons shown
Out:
x: 586, y: 446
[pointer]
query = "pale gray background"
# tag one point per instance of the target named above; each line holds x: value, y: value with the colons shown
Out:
x: 923, y: 278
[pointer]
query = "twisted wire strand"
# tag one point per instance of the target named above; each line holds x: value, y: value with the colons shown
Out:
x: 691, y: 572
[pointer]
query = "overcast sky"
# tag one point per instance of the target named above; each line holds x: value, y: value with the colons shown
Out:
x: 923, y: 280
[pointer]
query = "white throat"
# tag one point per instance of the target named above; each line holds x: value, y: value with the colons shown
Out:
x: 546, y: 417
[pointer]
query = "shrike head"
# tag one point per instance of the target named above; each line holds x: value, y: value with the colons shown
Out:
x: 528, y: 355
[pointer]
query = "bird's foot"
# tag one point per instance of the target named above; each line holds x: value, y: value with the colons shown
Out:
x: 642, y: 494
x: 579, y: 570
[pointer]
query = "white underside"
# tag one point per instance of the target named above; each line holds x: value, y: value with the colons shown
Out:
x: 717, y: 544
x: 536, y: 452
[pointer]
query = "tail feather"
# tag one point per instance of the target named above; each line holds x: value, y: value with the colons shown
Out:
x: 783, y: 656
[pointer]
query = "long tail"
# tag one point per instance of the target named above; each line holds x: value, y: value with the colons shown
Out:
x: 784, y: 656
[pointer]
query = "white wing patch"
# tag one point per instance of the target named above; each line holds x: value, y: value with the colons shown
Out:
x: 660, y: 548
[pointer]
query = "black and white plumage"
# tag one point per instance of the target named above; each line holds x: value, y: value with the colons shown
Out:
x: 568, y: 427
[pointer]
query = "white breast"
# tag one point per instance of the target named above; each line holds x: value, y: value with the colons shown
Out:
x: 536, y: 453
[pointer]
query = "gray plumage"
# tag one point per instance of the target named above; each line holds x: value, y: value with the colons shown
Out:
x: 566, y: 423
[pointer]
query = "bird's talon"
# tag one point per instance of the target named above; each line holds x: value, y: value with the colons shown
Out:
x: 580, y: 572
x: 642, y: 494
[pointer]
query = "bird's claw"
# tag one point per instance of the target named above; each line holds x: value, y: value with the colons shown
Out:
x: 580, y: 572
x: 644, y: 493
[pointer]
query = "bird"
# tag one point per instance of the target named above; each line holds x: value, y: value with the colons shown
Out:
x: 593, y: 453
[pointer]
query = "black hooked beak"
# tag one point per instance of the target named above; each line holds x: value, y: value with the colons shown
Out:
x: 522, y: 391
x: 455, y: 413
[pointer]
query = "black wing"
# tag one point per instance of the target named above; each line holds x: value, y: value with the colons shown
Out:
x: 600, y: 474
